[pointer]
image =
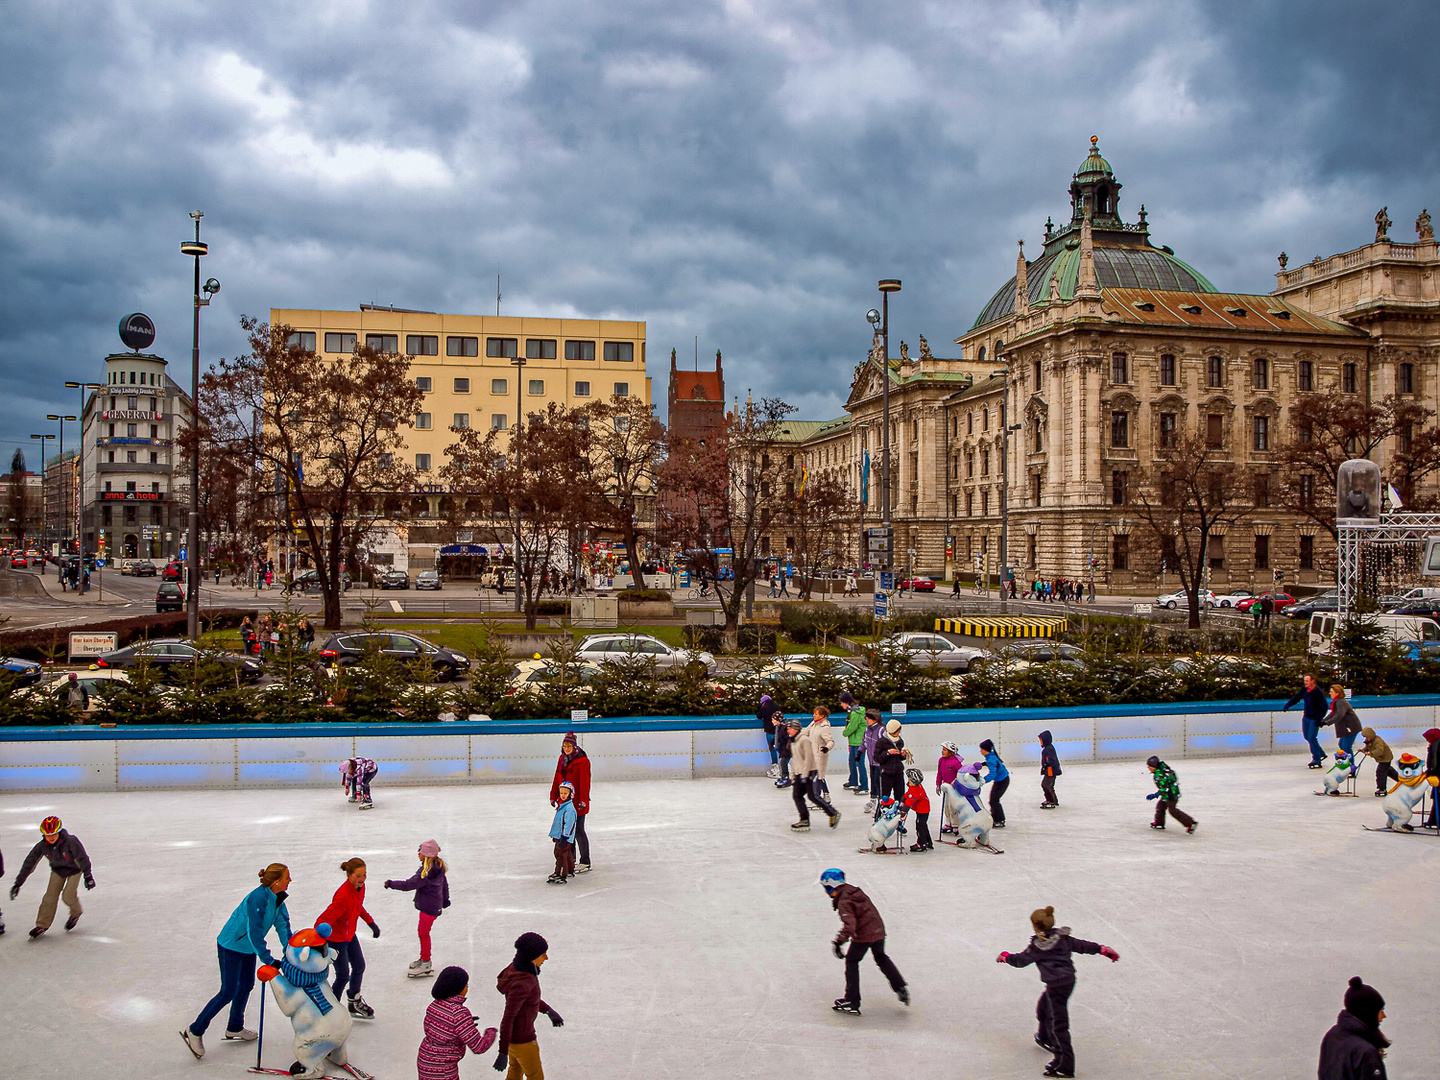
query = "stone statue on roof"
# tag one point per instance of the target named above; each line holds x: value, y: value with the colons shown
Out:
x: 925, y: 353
x: 877, y: 349
x: 1423, y: 229
x: 904, y: 353
x: 1054, y: 288
x: 1382, y: 225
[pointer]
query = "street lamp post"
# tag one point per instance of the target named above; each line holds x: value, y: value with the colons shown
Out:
x: 60, y: 450
x: 43, y: 512
x: 1005, y: 429
x: 80, y: 468
x: 195, y: 249
x: 519, y: 362
x: 882, y: 317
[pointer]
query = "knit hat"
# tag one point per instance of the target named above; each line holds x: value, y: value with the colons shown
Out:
x: 1043, y: 920
x: 530, y: 945
x: 450, y: 983
x: 765, y: 699
x: 1431, y: 735
x: 987, y: 747
x: 570, y: 738
x: 893, y: 727
x: 429, y: 849
x: 847, y: 698
x: 794, y: 721
x: 1152, y: 762
x: 1364, y: 1002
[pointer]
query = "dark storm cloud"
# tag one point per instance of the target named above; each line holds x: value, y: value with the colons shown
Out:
x: 742, y: 171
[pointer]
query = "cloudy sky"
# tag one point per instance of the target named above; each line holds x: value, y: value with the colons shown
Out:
x: 740, y: 170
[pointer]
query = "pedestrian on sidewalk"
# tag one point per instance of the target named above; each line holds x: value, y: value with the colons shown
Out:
x: 520, y: 983
x: 1167, y: 791
x: 862, y: 927
x: 805, y: 774
x: 68, y: 865
x: 1314, y: 715
x: 77, y: 698
x: 574, y: 767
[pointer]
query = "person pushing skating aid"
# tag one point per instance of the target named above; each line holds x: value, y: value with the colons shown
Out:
x: 1050, y: 949
x: 862, y: 927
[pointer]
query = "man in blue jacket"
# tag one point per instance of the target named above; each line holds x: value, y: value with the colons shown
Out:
x: 1316, y: 708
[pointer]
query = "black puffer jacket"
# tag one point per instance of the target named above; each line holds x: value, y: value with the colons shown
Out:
x: 66, y: 856
x: 1049, y: 760
x: 1051, y: 954
x: 1351, y: 1050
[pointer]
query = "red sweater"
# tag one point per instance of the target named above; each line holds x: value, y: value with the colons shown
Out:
x: 577, y: 771
x: 917, y: 800
x: 347, y: 906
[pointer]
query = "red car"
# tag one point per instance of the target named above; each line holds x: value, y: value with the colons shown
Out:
x: 19, y: 562
x: 173, y: 572
x: 1280, y: 600
x: 917, y: 584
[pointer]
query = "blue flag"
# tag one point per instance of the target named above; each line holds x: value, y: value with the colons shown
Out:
x: 865, y: 476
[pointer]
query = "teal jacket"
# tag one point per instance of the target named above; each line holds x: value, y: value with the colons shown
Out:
x: 258, y: 913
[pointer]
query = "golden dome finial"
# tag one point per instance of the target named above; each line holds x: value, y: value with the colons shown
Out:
x: 1094, y: 144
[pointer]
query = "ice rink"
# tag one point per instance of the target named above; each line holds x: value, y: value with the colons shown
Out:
x: 699, y: 946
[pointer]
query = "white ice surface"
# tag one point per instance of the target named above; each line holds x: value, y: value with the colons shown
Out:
x: 699, y: 946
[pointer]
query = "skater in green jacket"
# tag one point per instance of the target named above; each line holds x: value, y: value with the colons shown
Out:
x: 1167, y: 791
x: 859, y: 780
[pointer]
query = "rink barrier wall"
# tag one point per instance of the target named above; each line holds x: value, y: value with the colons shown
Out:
x: 639, y: 748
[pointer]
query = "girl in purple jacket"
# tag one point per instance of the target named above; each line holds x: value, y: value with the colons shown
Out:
x: 432, y: 896
x: 450, y: 1029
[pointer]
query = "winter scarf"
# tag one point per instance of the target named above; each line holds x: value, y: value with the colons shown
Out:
x: 312, y: 982
x: 969, y: 796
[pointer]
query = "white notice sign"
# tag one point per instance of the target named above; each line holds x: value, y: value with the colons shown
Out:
x: 91, y: 645
x: 579, y: 716
x: 897, y: 708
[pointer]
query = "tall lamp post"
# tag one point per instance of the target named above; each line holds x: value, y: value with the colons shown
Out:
x: 1005, y: 429
x: 195, y: 249
x: 519, y: 362
x: 60, y: 450
x: 80, y: 468
x: 43, y: 512
x: 882, y: 317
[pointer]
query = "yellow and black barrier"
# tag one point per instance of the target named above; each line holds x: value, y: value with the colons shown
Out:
x: 1011, y: 626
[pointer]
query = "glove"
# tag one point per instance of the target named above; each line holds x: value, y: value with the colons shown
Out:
x: 1002, y: 958
x: 14, y: 891
x: 556, y: 1020
x: 499, y: 1065
x: 374, y: 929
x: 824, y: 749
x: 266, y: 972
x: 838, y: 950
x: 1153, y: 795
x: 387, y: 885
x: 581, y: 807
x: 1109, y: 953
x: 89, y: 880
x: 554, y: 803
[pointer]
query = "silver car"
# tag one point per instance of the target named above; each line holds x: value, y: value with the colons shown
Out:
x: 931, y: 649
x: 599, y: 648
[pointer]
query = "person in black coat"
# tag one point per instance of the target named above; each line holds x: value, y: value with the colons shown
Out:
x: 1316, y: 706
x: 1354, y: 1049
x: 1049, y: 770
x: 1050, y: 950
x: 766, y: 715
x: 890, y: 756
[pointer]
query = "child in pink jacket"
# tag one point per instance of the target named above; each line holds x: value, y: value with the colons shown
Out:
x: 450, y: 1029
x: 945, y: 772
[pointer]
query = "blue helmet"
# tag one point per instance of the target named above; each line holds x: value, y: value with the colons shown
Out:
x: 832, y: 877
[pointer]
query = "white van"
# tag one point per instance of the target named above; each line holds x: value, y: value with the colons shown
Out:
x: 1420, y: 594
x: 1399, y: 629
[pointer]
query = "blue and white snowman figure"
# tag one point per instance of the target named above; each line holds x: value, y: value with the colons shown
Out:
x: 964, y: 811
x: 301, y: 986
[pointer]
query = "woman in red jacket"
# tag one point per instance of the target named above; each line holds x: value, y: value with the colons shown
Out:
x: 345, y: 911
x: 574, y: 766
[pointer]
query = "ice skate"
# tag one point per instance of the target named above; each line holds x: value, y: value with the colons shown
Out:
x: 834, y: 819
x: 1157, y: 825
x: 1054, y: 1070
x: 71, y: 921
x: 800, y: 826
x: 353, y: 798
x: 1191, y: 827
x: 850, y: 1008
x: 195, y: 1043
x: 773, y: 772
x: 998, y: 825
x: 366, y: 804
x: 582, y: 868
x: 419, y: 969
x: 243, y: 1035
x: 869, y: 806
x: 904, y: 995
x: 1043, y: 1044
x: 37, y: 931
x: 918, y: 847
x: 358, y: 1007
x: 1313, y: 765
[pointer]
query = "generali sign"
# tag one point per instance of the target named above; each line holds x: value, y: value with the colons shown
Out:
x: 130, y: 414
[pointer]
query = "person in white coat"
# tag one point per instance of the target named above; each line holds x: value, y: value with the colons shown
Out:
x: 822, y: 737
x: 804, y: 772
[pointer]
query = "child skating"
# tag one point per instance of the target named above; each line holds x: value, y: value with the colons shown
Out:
x: 1050, y: 949
x: 1167, y: 790
x: 998, y: 777
x: 862, y: 927
x: 1380, y: 753
x: 946, y: 769
x: 562, y: 831
x: 355, y: 776
x: 450, y: 1029
x: 68, y: 864
x: 346, y: 910
x: 520, y: 983
x: 919, y: 802
x: 1049, y: 770
x: 432, y: 896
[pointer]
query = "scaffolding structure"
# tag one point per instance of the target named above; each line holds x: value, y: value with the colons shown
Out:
x: 1381, y: 556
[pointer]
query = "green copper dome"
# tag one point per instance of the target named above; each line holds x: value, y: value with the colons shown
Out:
x: 1094, y: 164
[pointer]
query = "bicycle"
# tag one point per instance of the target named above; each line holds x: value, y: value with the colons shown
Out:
x: 704, y: 592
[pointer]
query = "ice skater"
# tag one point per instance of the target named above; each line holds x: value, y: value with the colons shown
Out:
x: 862, y: 927
x: 1354, y: 1049
x: 1050, y: 949
x: 919, y: 802
x: 892, y: 757
x: 1315, y: 707
x: 804, y: 775
x: 1380, y: 753
x: 766, y: 715
x: 1342, y: 715
x: 574, y: 766
x: 432, y: 896
x: 946, y: 769
x: 343, y: 916
x: 68, y: 864
x: 854, y: 733
x: 1167, y: 791
x: 562, y: 831
x: 868, y: 742
x: 822, y: 738
x: 520, y: 983
x: 241, y: 941
x: 450, y: 1029
x: 355, y: 776
x: 1049, y: 770
x: 784, y: 749
x: 998, y: 776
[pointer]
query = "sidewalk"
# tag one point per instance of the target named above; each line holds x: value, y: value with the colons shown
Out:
x: 51, y: 585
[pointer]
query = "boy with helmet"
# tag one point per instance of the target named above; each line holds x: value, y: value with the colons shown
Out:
x: 861, y: 925
x: 68, y: 862
x: 918, y: 801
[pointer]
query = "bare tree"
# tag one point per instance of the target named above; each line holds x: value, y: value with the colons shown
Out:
x: 325, y: 431
x: 627, y: 443
x: 693, y: 482
x: 817, y: 518
x: 1190, y: 493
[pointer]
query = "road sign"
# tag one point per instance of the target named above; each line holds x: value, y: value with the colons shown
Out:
x: 89, y: 645
x: 887, y: 580
x: 1144, y: 609
x: 882, y: 605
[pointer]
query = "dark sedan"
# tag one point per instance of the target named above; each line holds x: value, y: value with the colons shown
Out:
x: 173, y: 653
x: 344, y: 649
x: 169, y: 597
x: 26, y: 672
x: 395, y: 579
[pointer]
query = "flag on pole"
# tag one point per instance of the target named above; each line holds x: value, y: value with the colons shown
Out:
x: 1395, y: 503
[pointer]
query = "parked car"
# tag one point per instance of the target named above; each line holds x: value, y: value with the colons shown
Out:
x: 534, y: 676
x: 174, y: 571
x: 173, y: 653
x: 1233, y: 597
x: 1182, y: 599
x: 1303, y: 609
x: 932, y: 649
x: 917, y: 584
x: 27, y: 672
x: 94, y: 684
x: 127, y: 567
x: 344, y: 649
x: 1022, y: 655
x: 428, y: 579
x: 1281, y: 600
x: 169, y: 597
x: 309, y: 580
x: 603, y: 648
x: 395, y: 579
x: 803, y: 665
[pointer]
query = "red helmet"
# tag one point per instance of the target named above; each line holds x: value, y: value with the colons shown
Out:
x: 50, y: 826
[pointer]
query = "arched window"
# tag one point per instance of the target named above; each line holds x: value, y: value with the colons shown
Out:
x: 1102, y: 200
x: 981, y: 354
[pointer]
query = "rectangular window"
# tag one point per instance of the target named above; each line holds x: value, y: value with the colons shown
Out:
x: 1307, y: 491
x: 132, y: 430
x: 340, y: 343
x: 423, y: 382
x: 1305, y: 432
x: 985, y: 503
x: 1119, y: 482
x: 1262, y: 432
x: 1305, y: 375
x: 462, y: 386
x: 579, y: 350
x: 582, y: 389
x: 385, y: 343
x: 1035, y: 374
x: 154, y: 458
x: 304, y: 340
x: 1167, y: 429
x: 540, y: 348
x: 1214, y: 371
x: 501, y: 346
x: 130, y: 457
x: 984, y: 462
x: 1215, y: 552
x: 1261, y: 380
x: 1120, y: 429
x: 1120, y: 552
x: 970, y: 418
x: 1262, y: 553
x: 969, y: 504
x: 1347, y: 378
x: 462, y: 420
x: 1262, y: 490
x: 129, y: 515
x: 1119, y: 368
x: 970, y: 466
x: 422, y: 421
x: 1214, y: 432
x: 499, y: 386
x: 422, y: 345
x: 1402, y: 438
x: 619, y: 352
x: 1405, y: 379
x: 622, y: 389
x: 1167, y: 370
x: 154, y: 431
x: 422, y: 462
x: 499, y: 421
x: 1307, y: 553
x: 1034, y: 489
x: 536, y: 386
x: 462, y: 346
x: 622, y: 423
